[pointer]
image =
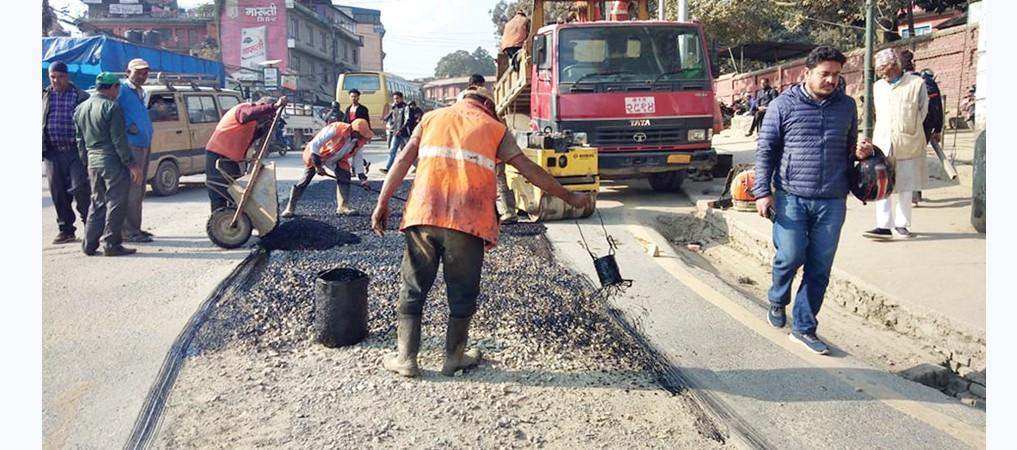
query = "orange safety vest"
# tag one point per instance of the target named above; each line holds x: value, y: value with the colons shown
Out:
x: 454, y: 185
x: 232, y: 138
x: 333, y: 145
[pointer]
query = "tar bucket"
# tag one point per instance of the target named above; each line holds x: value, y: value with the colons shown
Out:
x: 340, y: 307
x: 607, y: 270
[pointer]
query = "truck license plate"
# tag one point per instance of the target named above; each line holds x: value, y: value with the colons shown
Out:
x: 640, y: 105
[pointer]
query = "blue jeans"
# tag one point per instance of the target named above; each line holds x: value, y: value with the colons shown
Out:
x: 397, y: 141
x: 807, y: 231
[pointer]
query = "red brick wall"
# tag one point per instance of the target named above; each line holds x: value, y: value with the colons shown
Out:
x: 949, y: 53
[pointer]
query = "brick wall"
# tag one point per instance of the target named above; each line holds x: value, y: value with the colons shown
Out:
x: 949, y: 53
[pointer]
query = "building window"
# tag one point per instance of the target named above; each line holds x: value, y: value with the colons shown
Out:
x: 296, y: 63
x: 309, y: 38
x: 322, y: 43
x: 919, y: 30
x: 356, y: 57
x: 346, y: 52
x: 294, y: 28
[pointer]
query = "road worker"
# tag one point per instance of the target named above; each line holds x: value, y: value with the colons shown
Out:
x: 233, y: 135
x: 337, y: 145
x: 514, y: 37
x: 450, y: 217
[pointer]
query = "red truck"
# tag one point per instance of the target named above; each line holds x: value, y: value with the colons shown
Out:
x: 639, y: 91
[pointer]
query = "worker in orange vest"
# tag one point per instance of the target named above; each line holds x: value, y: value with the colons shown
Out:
x: 233, y: 135
x: 450, y: 217
x: 336, y: 145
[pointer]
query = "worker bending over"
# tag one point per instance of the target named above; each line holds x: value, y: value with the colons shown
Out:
x: 450, y: 218
x: 336, y: 145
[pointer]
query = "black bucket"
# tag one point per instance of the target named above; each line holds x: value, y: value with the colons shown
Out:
x: 607, y: 271
x: 340, y: 307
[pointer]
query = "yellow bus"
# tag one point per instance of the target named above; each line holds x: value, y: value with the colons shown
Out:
x: 376, y: 89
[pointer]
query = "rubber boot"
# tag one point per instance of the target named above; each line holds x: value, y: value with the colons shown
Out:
x: 291, y: 205
x: 456, y: 355
x: 404, y: 362
x: 342, y: 195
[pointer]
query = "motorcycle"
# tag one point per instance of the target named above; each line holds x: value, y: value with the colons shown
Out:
x: 968, y: 107
x: 281, y: 143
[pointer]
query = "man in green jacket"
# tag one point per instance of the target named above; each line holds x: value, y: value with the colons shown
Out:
x: 102, y: 142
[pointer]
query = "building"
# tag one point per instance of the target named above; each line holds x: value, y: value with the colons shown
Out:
x: 445, y: 90
x: 369, y: 27
x: 926, y: 21
x: 159, y: 23
x: 289, y: 47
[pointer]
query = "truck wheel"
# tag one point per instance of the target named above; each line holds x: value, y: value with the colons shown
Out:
x: 978, y: 185
x: 667, y: 181
x: 167, y: 179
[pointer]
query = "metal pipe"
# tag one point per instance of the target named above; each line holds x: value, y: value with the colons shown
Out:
x: 870, y: 32
x: 683, y: 10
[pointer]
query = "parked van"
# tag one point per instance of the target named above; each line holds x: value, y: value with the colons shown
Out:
x: 183, y: 119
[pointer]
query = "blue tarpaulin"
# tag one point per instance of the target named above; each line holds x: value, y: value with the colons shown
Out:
x: 88, y: 56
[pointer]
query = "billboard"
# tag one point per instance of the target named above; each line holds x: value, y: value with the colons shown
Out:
x: 253, y: 31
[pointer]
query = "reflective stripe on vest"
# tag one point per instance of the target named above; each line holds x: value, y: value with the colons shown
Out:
x: 332, y: 146
x: 454, y: 186
x: 232, y: 138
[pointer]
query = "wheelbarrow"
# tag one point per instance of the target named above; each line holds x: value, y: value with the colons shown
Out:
x: 253, y: 201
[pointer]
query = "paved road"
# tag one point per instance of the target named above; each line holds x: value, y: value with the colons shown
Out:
x: 108, y: 323
x: 771, y: 392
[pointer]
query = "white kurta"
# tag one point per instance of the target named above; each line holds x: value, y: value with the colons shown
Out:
x: 900, y: 111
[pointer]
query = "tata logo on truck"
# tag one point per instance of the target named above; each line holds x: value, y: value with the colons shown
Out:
x: 639, y: 122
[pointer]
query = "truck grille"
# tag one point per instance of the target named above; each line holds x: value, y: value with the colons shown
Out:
x: 626, y: 136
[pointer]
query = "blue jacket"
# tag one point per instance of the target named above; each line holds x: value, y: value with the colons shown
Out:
x: 136, y: 114
x: 805, y: 147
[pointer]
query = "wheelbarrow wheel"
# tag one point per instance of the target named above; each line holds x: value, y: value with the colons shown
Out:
x: 222, y: 234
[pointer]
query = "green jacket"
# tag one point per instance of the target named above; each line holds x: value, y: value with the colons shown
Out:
x: 102, y: 133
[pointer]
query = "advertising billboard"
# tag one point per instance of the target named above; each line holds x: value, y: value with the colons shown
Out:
x: 253, y: 31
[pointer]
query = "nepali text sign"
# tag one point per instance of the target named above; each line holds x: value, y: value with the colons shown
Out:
x: 126, y: 9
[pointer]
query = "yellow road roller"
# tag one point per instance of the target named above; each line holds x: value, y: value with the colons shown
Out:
x: 568, y: 158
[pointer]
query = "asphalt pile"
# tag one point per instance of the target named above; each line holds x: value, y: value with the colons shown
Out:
x: 530, y: 307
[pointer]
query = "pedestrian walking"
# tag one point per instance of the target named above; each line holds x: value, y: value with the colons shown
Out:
x: 356, y: 110
x: 901, y: 102
x: 65, y: 172
x: 338, y: 145
x: 764, y: 96
x: 101, y: 134
x: 450, y: 219
x: 516, y: 31
x: 805, y: 146
x: 233, y: 135
x: 139, y: 137
x: 396, y: 121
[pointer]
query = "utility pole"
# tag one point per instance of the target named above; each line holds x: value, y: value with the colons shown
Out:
x: 660, y: 10
x: 683, y: 10
x: 870, y: 32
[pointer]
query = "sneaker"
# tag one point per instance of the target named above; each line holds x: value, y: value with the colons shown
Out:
x: 810, y: 341
x: 119, y: 250
x: 383, y: 170
x: 64, y: 239
x: 143, y: 232
x: 776, y: 316
x: 137, y: 238
x: 878, y: 233
x: 904, y: 233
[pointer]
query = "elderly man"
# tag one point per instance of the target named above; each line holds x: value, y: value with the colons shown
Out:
x: 68, y: 181
x: 449, y: 218
x: 102, y: 141
x: 139, y: 137
x: 233, y: 135
x: 901, y: 102
x: 804, y: 152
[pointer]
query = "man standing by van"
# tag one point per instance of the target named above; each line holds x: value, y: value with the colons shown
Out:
x: 139, y: 137
x: 233, y: 135
x: 65, y: 171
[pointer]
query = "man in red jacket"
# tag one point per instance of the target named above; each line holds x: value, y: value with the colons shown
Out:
x: 236, y: 131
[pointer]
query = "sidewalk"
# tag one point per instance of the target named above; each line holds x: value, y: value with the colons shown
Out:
x: 931, y: 287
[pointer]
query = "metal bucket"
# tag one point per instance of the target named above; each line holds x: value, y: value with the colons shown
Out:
x: 607, y: 271
x: 340, y: 307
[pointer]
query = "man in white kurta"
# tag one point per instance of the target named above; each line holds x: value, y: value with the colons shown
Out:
x: 901, y: 102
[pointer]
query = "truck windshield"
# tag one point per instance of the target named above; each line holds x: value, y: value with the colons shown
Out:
x: 630, y: 53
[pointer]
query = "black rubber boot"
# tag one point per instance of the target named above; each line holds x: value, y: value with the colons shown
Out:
x: 456, y: 355
x: 404, y: 362
x: 291, y: 205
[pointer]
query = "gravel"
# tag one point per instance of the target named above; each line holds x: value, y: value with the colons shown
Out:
x: 558, y: 371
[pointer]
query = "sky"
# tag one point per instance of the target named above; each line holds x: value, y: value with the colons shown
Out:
x: 417, y: 32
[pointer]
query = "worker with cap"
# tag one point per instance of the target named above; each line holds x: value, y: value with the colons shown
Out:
x: 233, y: 135
x: 336, y: 145
x: 450, y: 218
x: 102, y: 141
x: 514, y: 36
x: 139, y: 137
x: 65, y: 173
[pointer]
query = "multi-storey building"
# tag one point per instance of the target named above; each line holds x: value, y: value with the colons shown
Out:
x: 159, y: 23
x: 369, y: 27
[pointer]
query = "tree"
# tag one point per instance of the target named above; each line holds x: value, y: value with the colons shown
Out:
x: 505, y: 9
x: 461, y: 63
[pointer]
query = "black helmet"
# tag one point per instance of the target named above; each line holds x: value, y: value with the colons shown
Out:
x: 872, y: 178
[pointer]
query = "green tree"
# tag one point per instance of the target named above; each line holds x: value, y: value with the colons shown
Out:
x: 461, y: 63
x: 505, y: 9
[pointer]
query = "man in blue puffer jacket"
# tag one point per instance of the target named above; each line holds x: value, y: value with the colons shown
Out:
x: 806, y: 143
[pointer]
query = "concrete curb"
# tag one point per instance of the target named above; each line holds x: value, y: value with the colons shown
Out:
x: 960, y: 346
